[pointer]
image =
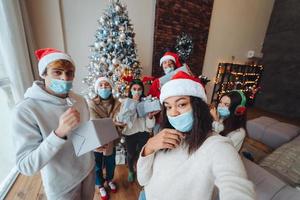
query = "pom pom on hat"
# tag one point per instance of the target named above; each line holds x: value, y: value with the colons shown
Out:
x: 48, y: 55
x: 170, y: 56
x: 97, y: 82
x: 182, y: 84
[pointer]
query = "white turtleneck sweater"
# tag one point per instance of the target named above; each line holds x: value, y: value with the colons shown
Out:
x: 176, y: 175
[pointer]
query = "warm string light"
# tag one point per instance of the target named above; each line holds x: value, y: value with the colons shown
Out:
x: 244, y: 74
x: 232, y: 76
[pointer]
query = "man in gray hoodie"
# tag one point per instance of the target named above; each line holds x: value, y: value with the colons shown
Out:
x: 41, y: 126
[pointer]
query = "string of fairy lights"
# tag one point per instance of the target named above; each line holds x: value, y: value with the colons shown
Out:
x: 232, y: 76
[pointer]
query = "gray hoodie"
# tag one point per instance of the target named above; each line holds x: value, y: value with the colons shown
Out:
x: 38, y: 148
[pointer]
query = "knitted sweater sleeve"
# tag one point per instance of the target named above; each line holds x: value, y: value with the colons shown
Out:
x: 237, y: 137
x: 230, y: 175
x: 145, y: 168
x: 32, y: 151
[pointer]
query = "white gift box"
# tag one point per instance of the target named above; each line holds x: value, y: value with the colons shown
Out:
x: 167, y: 77
x: 147, y: 106
x: 93, y: 134
x: 127, y: 113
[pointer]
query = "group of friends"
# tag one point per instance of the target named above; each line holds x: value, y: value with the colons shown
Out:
x: 195, y: 149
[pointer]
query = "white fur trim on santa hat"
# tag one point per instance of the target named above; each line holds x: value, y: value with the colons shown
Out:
x: 47, y: 59
x: 165, y: 58
x: 182, y: 87
x: 97, y: 82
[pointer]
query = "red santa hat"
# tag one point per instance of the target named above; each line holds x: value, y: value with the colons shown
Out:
x: 97, y: 82
x: 48, y: 55
x: 170, y: 56
x: 182, y: 84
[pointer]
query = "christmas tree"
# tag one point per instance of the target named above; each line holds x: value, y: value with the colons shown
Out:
x: 113, y: 53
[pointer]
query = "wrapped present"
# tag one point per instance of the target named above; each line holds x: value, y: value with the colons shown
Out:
x: 93, y: 134
x: 167, y: 77
x: 147, y: 105
x: 127, y: 113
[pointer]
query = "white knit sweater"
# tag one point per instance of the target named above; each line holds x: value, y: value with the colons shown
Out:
x: 177, y: 175
x: 237, y: 136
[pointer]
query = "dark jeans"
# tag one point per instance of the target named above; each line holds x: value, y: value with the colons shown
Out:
x: 134, y: 144
x: 110, y: 164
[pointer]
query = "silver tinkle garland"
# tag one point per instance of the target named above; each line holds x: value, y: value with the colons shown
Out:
x: 113, y: 53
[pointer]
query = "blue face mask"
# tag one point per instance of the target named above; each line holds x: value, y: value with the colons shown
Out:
x: 168, y: 70
x: 104, y: 93
x: 223, y: 111
x: 183, y: 122
x: 60, y: 86
x: 133, y: 92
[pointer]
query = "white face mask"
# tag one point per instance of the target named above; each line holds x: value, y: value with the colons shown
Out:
x: 60, y: 86
x: 184, y: 122
x: 168, y: 70
x: 223, y: 111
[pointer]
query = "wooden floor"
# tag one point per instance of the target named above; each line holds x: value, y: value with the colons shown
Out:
x: 31, y: 188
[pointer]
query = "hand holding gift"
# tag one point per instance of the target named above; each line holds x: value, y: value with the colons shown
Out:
x: 68, y: 121
x: 127, y: 113
x: 152, y: 114
x: 148, y: 105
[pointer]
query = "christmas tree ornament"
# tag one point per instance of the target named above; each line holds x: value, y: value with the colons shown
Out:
x: 103, y: 59
x: 102, y: 44
x: 108, y: 61
x: 115, y: 61
x: 122, y: 37
x: 111, y: 68
x: 117, y: 21
x: 102, y: 20
x: 97, y: 45
x: 114, y: 33
x: 105, y: 33
x: 118, y: 8
x: 121, y: 28
x: 109, y: 40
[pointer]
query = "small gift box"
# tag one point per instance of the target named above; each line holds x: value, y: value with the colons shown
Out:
x: 167, y: 77
x: 127, y: 113
x: 147, y: 105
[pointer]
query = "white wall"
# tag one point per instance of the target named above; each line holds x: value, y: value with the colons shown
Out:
x: 236, y: 27
x: 70, y: 25
x: 45, y: 19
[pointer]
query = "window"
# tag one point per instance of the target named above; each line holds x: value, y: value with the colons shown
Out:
x: 7, y: 157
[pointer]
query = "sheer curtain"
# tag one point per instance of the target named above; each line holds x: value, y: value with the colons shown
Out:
x: 16, y: 61
x: 14, y: 48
